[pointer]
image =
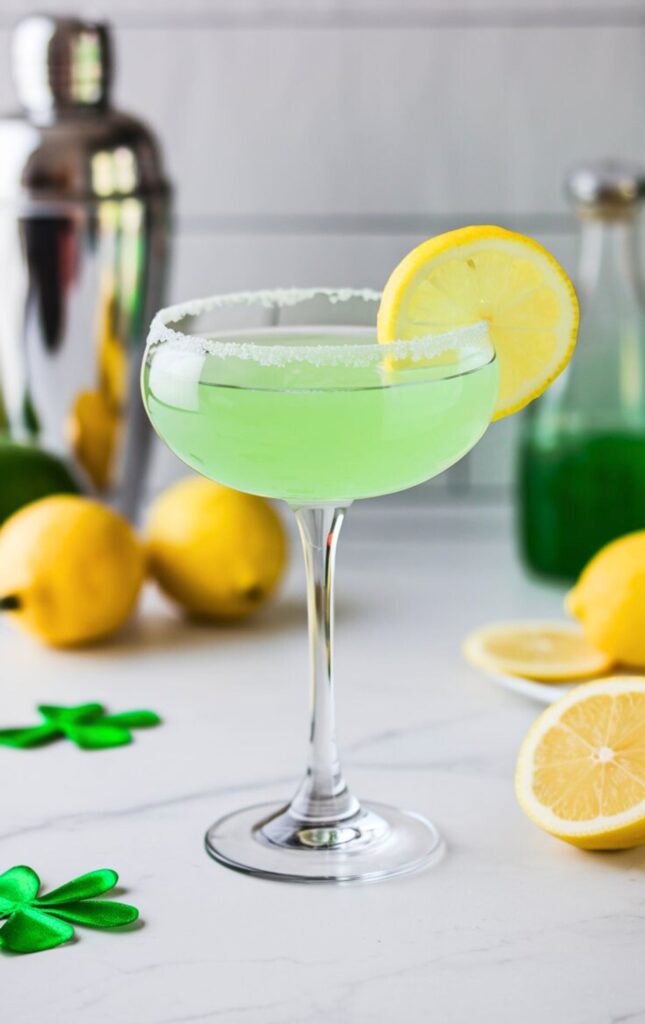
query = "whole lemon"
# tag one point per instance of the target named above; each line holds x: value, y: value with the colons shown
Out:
x: 70, y: 569
x: 215, y: 551
x: 609, y: 600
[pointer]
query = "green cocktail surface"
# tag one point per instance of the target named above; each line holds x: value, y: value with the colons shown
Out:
x: 316, y: 415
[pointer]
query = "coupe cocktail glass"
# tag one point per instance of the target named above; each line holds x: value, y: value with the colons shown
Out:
x: 288, y: 394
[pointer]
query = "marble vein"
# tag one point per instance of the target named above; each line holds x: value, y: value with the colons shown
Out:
x: 142, y: 809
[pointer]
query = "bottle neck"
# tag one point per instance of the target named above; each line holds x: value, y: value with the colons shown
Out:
x: 604, y: 385
x: 609, y: 257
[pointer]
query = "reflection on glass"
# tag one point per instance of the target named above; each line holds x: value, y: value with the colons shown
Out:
x: 97, y: 415
x: 86, y: 68
x: 114, y: 172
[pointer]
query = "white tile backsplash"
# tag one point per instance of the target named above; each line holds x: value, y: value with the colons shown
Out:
x: 209, y: 263
x: 397, y: 121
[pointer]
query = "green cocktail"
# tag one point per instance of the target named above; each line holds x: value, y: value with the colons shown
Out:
x: 292, y: 397
x: 332, y: 426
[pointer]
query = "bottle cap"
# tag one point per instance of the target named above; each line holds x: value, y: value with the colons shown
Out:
x: 61, y: 64
x: 605, y: 188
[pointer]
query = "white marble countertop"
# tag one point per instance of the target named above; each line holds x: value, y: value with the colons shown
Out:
x: 511, y: 926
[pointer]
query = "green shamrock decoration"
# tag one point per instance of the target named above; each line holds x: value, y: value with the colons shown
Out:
x: 86, y: 725
x: 42, y: 922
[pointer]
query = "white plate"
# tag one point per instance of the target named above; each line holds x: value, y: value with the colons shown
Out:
x: 548, y: 693
x: 543, y: 693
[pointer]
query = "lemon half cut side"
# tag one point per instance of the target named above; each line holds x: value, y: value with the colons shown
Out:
x: 581, y: 769
x: 488, y: 274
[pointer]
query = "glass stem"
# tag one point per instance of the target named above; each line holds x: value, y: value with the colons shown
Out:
x: 323, y: 796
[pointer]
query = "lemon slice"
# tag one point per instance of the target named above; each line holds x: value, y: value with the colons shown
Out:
x: 581, y: 769
x: 488, y: 274
x: 546, y: 651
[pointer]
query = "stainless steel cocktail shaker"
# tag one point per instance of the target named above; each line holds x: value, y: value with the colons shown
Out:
x: 84, y: 233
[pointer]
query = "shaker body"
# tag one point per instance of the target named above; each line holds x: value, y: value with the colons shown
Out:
x: 79, y: 287
x: 84, y: 240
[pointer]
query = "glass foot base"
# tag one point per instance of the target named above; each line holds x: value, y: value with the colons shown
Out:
x: 376, y: 843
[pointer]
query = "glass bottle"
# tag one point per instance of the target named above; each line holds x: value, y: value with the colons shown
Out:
x: 582, y: 450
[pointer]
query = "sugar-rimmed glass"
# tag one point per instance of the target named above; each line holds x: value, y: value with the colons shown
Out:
x: 286, y: 393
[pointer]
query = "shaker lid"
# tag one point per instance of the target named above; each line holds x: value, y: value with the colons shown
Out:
x: 61, y: 63
x: 605, y: 188
x: 70, y: 144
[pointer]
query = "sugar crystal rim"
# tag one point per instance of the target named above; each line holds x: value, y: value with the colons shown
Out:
x: 470, y: 340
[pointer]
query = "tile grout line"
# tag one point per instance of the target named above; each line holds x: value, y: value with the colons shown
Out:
x: 366, y: 224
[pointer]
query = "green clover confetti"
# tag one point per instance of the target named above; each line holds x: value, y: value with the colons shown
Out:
x: 36, y: 923
x: 86, y: 725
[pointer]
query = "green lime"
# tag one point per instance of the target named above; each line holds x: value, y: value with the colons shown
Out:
x: 28, y: 473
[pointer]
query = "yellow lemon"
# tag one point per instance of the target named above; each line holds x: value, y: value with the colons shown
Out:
x: 487, y: 274
x: 609, y: 600
x: 581, y: 769
x: 70, y: 569
x: 215, y: 551
x: 547, y: 651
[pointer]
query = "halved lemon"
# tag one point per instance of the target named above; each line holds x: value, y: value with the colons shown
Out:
x: 547, y: 651
x: 487, y: 273
x: 581, y: 769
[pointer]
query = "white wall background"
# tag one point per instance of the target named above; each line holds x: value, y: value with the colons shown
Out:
x: 316, y: 141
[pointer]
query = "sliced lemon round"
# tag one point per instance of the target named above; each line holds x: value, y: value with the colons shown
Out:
x: 546, y: 651
x: 487, y: 273
x: 581, y: 769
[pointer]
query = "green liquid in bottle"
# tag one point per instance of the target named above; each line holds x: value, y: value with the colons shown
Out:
x: 582, y: 452
x: 578, y: 491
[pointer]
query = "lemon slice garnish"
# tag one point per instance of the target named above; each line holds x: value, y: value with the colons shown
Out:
x: 546, y: 651
x: 489, y: 274
x: 581, y: 770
